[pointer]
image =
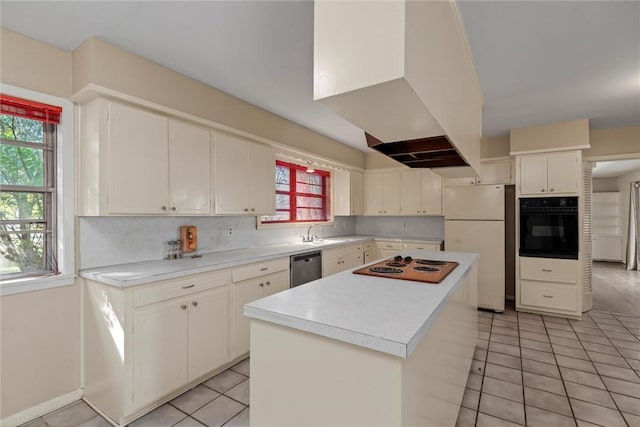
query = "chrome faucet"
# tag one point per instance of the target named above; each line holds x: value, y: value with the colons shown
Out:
x: 309, y: 238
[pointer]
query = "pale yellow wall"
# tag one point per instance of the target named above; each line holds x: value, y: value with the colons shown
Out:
x: 34, y: 65
x: 614, y: 142
x: 97, y: 62
x: 39, y: 347
x: 494, y: 147
x: 376, y: 160
x: 604, y: 184
x: 556, y: 136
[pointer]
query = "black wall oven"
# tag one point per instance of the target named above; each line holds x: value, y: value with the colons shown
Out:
x: 549, y: 227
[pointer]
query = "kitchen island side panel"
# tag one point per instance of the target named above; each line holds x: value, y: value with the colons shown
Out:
x: 303, y: 379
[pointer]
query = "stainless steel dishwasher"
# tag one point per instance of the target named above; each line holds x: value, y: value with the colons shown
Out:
x: 305, y: 268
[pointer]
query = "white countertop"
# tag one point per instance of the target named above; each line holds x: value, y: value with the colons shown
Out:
x: 387, y: 315
x: 125, y: 275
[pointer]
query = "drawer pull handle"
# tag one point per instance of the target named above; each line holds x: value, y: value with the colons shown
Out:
x: 547, y: 270
x: 264, y: 268
x: 195, y: 303
x: 188, y: 286
x: 268, y: 283
x: 389, y: 246
x: 183, y: 306
x: 547, y: 296
x: 262, y: 285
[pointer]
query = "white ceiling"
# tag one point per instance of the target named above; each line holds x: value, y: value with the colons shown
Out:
x: 615, y: 168
x: 538, y: 62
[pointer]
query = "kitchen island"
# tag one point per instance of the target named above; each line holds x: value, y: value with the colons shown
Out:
x: 359, y: 350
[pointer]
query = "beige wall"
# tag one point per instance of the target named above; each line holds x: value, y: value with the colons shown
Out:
x: 624, y: 185
x: 39, y: 347
x: 605, y: 184
x: 97, y: 62
x: 614, y: 142
x: 556, y: 136
x: 30, y: 64
x: 494, y: 147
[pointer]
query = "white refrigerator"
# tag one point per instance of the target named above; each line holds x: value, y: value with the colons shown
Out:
x: 474, y: 222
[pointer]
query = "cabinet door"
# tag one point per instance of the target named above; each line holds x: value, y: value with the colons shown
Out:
x: 160, y: 350
x: 243, y: 293
x: 431, y: 193
x: 275, y: 283
x: 262, y: 179
x: 533, y: 174
x: 138, y: 167
x: 341, y: 192
x: 495, y: 173
x: 373, y: 193
x: 564, y: 172
x: 208, y: 332
x: 189, y: 169
x: 357, y: 193
x: 411, y: 192
x: 391, y: 193
x: 331, y: 265
x: 231, y: 174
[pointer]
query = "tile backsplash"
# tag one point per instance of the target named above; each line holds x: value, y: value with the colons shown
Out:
x: 119, y: 240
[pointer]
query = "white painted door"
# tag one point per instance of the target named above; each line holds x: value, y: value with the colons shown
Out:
x: 411, y: 192
x: 138, y: 166
x: 482, y: 202
x: 275, y: 283
x: 231, y: 174
x: 391, y: 193
x: 243, y: 293
x: 357, y: 193
x: 533, y: 174
x: 331, y: 265
x: 208, y: 332
x: 431, y: 193
x: 160, y: 350
x: 564, y: 172
x: 341, y: 185
x: 373, y: 193
x: 262, y: 179
x: 189, y: 169
x: 487, y: 239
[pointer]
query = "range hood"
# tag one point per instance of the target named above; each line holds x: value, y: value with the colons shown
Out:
x: 402, y: 72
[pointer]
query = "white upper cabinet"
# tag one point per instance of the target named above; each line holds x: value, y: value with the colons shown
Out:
x: 341, y: 192
x: 357, y: 193
x: 550, y: 173
x: 135, y: 162
x: 420, y: 193
x: 382, y: 193
x: 244, y: 176
x: 495, y: 173
x: 138, y: 173
x: 189, y: 169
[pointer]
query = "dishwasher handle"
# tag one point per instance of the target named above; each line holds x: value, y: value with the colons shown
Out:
x: 308, y: 257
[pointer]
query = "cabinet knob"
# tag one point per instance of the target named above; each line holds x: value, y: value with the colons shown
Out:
x: 551, y: 189
x: 424, y: 211
x: 268, y: 283
x: 262, y: 285
x: 385, y: 211
x: 183, y: 306
x: 173, y: 208
x: 195, y: 303
x: 163, y: 208
x: 379, y: 211
x: 353, y: 211
x: 542, y: 191
x: 246, y: 209
x: 418, y: 211
x: 253, y: 210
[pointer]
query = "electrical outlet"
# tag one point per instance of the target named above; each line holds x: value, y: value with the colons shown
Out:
x: 229, y: 231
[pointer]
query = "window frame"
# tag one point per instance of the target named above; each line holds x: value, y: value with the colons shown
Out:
x: 63, y: 215
x: 293, y: 195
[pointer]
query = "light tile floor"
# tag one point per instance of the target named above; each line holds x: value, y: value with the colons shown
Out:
x: 527, y: 370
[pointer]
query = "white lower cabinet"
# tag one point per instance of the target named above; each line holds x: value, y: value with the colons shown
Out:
x: 143, y: 345
x: 549, y: 285
x: 252, y: 283
x: 342, y: 258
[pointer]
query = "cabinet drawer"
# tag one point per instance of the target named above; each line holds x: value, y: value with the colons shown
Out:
x: 422, y: 246
x: 549, y: 270
x: 390, y: 246
x: 338, y: 252
x: 259, y: 269
x: 549, y: 295
x: 179, y: 287
x: 369, y: 246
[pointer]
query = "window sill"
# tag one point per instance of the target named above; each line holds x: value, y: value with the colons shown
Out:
x: 301, y: 225
x: 30, y: 284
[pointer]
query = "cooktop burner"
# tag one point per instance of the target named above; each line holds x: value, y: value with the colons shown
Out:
x: 386, y: 270
x: 430, y: 262
x: 395, y: 264
x: 426, y: 269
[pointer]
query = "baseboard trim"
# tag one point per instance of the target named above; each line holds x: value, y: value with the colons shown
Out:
x: 41, y: 409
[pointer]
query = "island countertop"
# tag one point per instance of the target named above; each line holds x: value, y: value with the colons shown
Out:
x: 386, y: 315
